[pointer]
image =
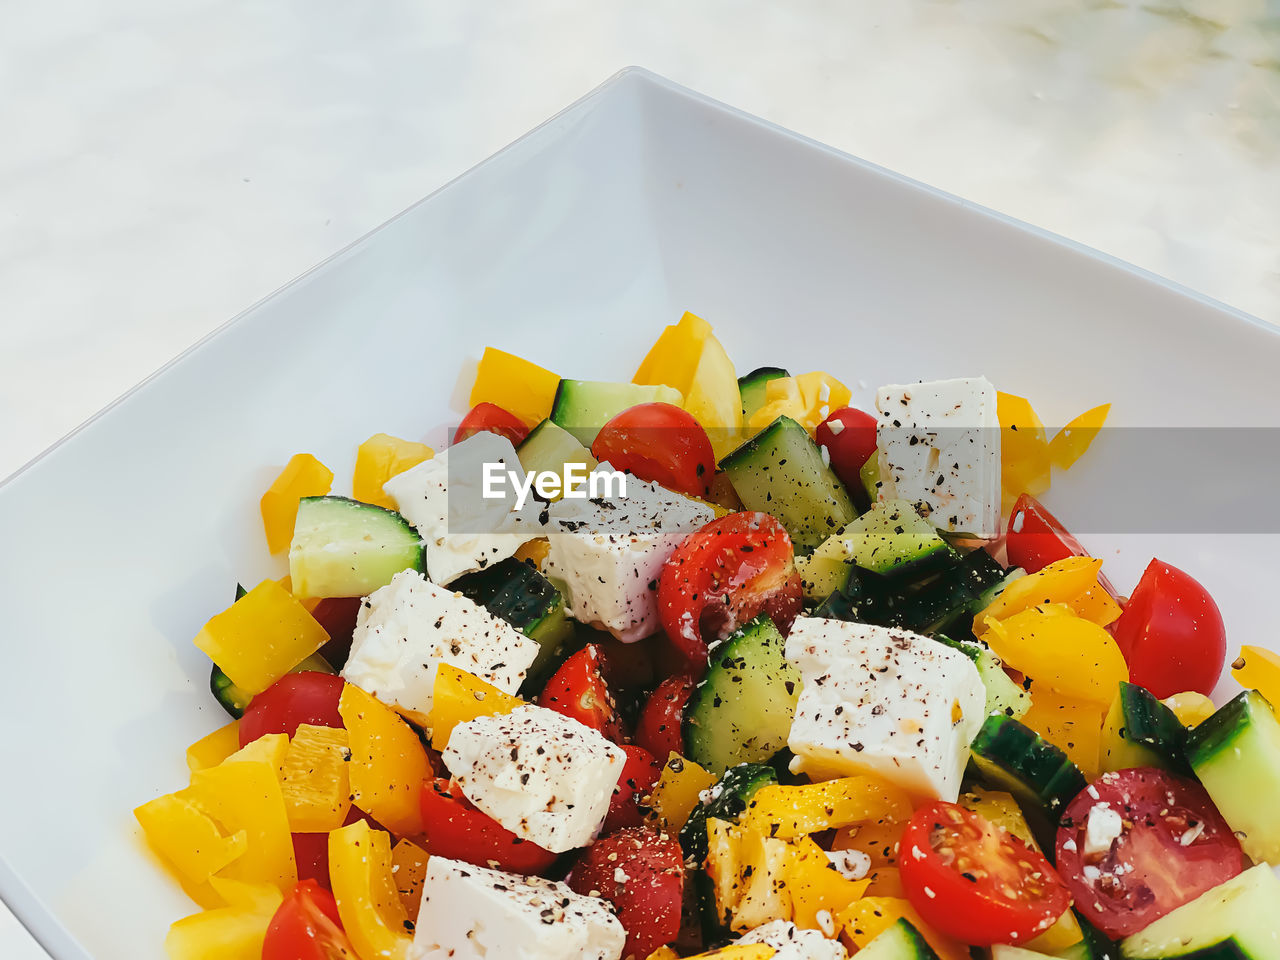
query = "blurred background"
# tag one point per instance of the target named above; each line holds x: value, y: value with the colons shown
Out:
x: 166, y: 163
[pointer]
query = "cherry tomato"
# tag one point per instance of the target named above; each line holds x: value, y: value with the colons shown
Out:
x: 642, y: 875
x: 1034, y: 538
x: 1170, y: 846
x: 578, y: 690
x: 849, y: 435
x: 454, y: 828
x: 626, y: 666
x: 719, y: 578
x: 306, y: 697
x: 639, y: 774
x: 491, y: 418
x: 661, y: 443
x: 306, y: 927
x: 1172, y: 634
x: 662, y: 719
x: 311, y: 853
x: 338, y: 617
x: 975, y: 881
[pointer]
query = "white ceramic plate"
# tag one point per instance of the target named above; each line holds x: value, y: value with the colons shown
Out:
x: 572, y: 247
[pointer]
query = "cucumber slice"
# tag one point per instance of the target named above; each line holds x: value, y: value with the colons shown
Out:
x: 236, y: 701
x: 582, y: 407
x: 742, y: 710
x: 1236, y: 920
x: 549, y: 447
x: 869, y: 475
x: 1005, y: 951
x: 344, y: 548
x: 753, y: 385
x: 1004, y: 697
x: 515, y: 591
x: 1140, y: 731
x: 901, y: 941
x: 1236, y: 756
x: 780, y: 471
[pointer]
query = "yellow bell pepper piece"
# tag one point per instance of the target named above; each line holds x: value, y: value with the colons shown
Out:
x: 534, y: 551
x: 515, y: 384
x: 270, y: 749
x: 676, y: 793
x: 234, y: 932
x: 1057, y: 649
x: 787, y: 812
x: 1072, y: 724
x: 1024, y: 448
x: 372, y: 913
x: 317, y: 791
x: 1190, y: 707
x: 885, y: 882
x: 732, y: 951
x: 878, y: 839
x: 1072, y: 581
x: 1069, y: 444
x: 458, y: 697
x: 763, y: 893
x: 187, y: 839
x: 809, y: 399
x: 303, y: 476
x: 664, y: 953
x: 212, y: 750
x: 388, y: 763
x: 261, y: 637
x: 866, y: 919
x: 380, y: 458
x: 409, y: 867
x: 1258, y: 669
x: 816, y: 886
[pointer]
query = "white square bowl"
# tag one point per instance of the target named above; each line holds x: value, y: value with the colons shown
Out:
x: 573, y: 246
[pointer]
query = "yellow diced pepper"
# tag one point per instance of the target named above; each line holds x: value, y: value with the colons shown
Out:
x: 664, y: 953
x: 534, y: 551
x: 817, y: 886
x: 808, y: 399
x: 1057, y: 649
x: 1064, y: 934
x: 234, y: 932
x: 212, y: 750
x: 303, y: 476
x: 380, y: 458
x: 515, y: 384
x: 731, y: 951
x: 372, y: 913
x: 261, y: 637
x: 317, y: 791
x: 1190, y: 707
x: 676, y: 793
x: 866, y: 919
x: 1071, y: 724
x: 187, y: 838
x: 1072, y: 581
x: 388, y: 762
x: 409, y: 867
x: 1258, y: 669
x: 878, y: 839
x: 246, y: 797
x: 787, y: 812
x: 1069, y: 444
x: 457, y: 697
x: 270, y: 749
x: 1024, y: 448
x: 764, y: 894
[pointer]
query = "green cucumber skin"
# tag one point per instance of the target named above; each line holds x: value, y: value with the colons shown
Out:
x: 729, y: 798
x: 1206, y: 739
x: 752, y: 386
x: 374, y: 544
x: 899, y: 941
x: 1153, y: 728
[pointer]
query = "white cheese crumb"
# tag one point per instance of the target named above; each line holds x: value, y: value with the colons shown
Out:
x: 836, y: 427
x: 1101, y: 829
x: 1193, y: 834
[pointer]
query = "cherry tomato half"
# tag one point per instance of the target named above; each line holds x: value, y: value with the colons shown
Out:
x: 491, y: 418
x: 661, y: 443
x: 1169, y: 845
x: 975, y: 881
x: 639, y: 774
x: 642, y: 875
x: 1172, y: 634
x: 454, y: 828
x: 659, y: 729
x: 306, y: 697
x: 578, y: 690
x: 719, y: 578
x: 849, y: 435
x: 306, y: 927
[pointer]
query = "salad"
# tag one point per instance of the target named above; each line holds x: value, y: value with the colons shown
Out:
x: 708, y: 665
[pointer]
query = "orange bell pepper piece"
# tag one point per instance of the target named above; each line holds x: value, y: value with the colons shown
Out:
x: 1072, y: 581
x: 457, y: 697
x: 1060, y: 650
x: 380, y: 458
x: 515, y: 384
x: 816, y: 886
x: 1258, y: 669
x: 303, y: 476
x: 409, y: 867
x: 1071, y: 724
x: 317, y: 790
x: 369, y: 905
x: 787, y: 812
x: 388, y: 763
x: 677, y: 792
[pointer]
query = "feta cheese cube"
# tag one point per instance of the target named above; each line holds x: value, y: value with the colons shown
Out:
x: 938, y: 444
x: 545, y: 777
x: 463, y: 529
x: 470, y: 912
x: 792, y: 943
x: 609, y: 553
x: 405, y: 630
x: 881, y: 701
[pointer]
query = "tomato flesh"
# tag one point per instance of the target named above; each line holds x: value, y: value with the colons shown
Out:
x: 727, y: 573
x: 1173, y: 846
x: 639, y: 774
x: 849, y: 435
x: 659, y: 729
x: 642, y: 875
x: 456, y: 829
x: 491, y: 418
x: 306, y: 697
x: 975, y: 881
x: 1171, y: 633
x: 578, y: 690
x: 661, y: 443
x: 307, y: 927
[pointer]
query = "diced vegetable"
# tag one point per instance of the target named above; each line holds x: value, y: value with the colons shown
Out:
x: 1073, y: 582
x: 677, y: 792
x: 1075, y: 726
x: 303, y: 476
x: 1070, y: 443
x: 388, y: 762
x: 236, y: 701
x: 752, y: 388
x: 1258, y: 668
x: 212, y: 750
x: 515, y: 384
x: 1024, y: 449
x: 550, y: 447
x: 901, y: 941
x: 582, y: 407
x: 378, y: 459
x: 1003, y: 695
x: 187, y: 839
x: 807, y: 399
x: 317, y: 791
x: 234, y: 932
x: 344, y: 548
x: 1140, y: 731
x: 1055, y: 647
x: 815, y: 887
x: 1190, y: 707
x: 369, y: 904
x: 789, y: 812
x: 458, y: 697
x: 867, y: 918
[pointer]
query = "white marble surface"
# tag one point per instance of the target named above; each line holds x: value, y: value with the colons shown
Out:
x: 165, y: 163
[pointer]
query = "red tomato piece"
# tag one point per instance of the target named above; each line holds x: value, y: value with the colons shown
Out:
x: 338, y: 617
x: 659, y: 729
x: 849, y: 435
x: 578, y: 690
x: 454, y: 828
x: 311, y: 853
x: 307, y: 927
x: 661, y: 443
x: 642, y: 875
x: 1172, y: 633
x: 975, y: 881
x: 1170, y: 846
x: 639, y: 774
x: 1035, y: 538
x: 306, y: 697
x: 626, y: 666
x: 727, y: 573
x: 491, y: 418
